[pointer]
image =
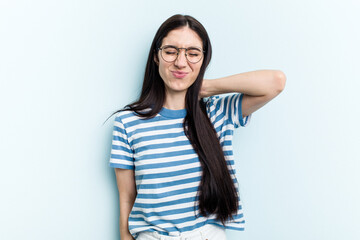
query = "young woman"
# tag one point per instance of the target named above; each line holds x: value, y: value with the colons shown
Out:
x: 172, y: 148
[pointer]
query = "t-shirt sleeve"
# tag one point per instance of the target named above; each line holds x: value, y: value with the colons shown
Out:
x: 228, y: 109
x: 122, y: 155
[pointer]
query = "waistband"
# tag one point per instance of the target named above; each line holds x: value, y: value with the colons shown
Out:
x: 193, y: 234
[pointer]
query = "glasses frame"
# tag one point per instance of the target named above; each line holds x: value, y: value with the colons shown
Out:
x: 178, y: 52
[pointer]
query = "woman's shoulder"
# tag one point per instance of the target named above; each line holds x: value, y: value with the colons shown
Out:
x: 211, y: 99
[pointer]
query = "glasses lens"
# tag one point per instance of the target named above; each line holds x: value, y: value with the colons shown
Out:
x: 194, y: 55
x: 169, y: 54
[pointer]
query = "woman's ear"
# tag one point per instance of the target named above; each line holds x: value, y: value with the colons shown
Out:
x: 156, y: 60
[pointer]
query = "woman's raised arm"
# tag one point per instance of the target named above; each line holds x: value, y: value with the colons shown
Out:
x: 259, y: 87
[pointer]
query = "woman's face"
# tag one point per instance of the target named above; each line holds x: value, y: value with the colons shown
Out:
x: 179, y: 75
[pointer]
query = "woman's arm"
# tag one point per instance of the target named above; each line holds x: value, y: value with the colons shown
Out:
x: 259, y: 87
x: 125, y: 179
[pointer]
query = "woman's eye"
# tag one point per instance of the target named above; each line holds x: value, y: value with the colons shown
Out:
x: 170, y: 53
x: 194, y: 54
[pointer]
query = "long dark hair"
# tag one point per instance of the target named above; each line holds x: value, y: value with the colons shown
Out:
x: 217, y: 193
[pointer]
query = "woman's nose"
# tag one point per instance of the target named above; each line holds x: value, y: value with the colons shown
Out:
x: 181, y: 60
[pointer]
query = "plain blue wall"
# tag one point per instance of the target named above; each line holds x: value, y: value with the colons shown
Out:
x: 65, y: 66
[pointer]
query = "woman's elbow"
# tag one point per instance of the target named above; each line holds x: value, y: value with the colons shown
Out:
x: 280, y: 81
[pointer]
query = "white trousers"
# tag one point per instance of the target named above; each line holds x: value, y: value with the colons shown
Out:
x: 206, y: 232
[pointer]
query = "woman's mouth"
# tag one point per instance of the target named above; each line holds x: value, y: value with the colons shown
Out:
x: 179, y: 74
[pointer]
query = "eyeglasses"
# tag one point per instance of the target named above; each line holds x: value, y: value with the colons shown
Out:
x: 170, y: 53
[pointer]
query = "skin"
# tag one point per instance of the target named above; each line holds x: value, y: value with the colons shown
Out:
x: 176, y: 88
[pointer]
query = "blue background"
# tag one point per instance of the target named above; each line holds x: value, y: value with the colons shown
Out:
x: 65, y: 66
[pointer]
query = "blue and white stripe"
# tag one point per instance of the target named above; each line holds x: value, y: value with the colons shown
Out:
x: 167, y: 169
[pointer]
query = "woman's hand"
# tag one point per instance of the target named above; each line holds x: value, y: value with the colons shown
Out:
x: 127, y: 236
x: 203, y: 90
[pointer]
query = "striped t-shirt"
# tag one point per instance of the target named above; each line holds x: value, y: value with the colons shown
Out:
x: 167, y: 168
